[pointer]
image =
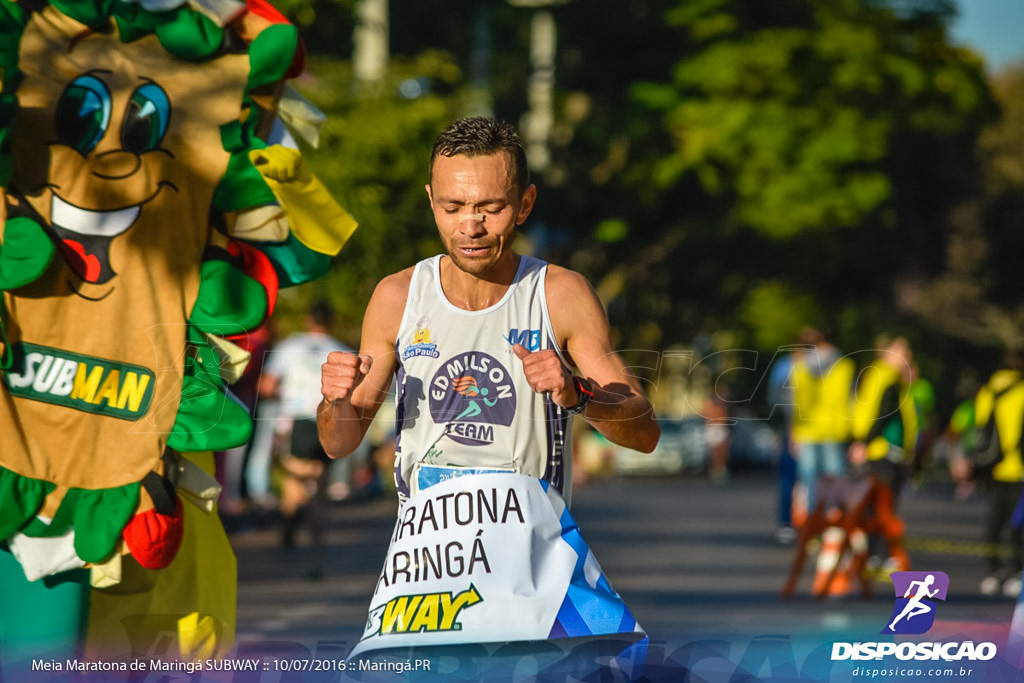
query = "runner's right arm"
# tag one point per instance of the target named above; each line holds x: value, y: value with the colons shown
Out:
x: 355, y: 386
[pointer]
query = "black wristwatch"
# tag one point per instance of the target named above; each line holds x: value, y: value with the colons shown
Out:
x: 585, y: 393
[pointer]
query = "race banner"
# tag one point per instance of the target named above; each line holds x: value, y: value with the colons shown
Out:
x: 489, y: 558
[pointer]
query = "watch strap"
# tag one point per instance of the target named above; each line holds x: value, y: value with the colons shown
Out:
x: 584, y: 391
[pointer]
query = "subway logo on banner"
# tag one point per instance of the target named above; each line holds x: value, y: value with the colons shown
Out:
x: 92, y: 385
x: 427, y: 613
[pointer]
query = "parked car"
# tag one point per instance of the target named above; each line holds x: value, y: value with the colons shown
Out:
x: 754, y: 442
x: 682, y: 449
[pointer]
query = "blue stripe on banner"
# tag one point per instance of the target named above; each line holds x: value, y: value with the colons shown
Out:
x: 601, y: 612
x: 557, y: 631
x: 595, y: 610
x: 571, y: 535
x: 570, y: 621
x: 628, y: 622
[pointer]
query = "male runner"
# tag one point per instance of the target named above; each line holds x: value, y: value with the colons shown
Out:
x: 483, y: 340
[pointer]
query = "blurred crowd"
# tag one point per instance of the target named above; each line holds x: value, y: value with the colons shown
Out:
x: 850, y: 433
x: 856, y: 437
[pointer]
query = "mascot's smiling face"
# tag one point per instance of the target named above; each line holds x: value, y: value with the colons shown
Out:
x: 118, y: 151
x: 115, y: 148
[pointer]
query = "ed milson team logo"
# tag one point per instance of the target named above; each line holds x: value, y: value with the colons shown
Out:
x: 916, y: 593
x: 469, y: 395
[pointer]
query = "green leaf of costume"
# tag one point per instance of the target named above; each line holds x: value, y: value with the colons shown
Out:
x: 100, y: 516
x: 294, y: 262
x: 62, y: 520
x: 25, y: 253
x: 93, y: 14
x: 208, y: 419
x: 189, y: 35
x: 229, y: 301
x: 22, y: 498
x: 265, y: 64
x: 242, y: 186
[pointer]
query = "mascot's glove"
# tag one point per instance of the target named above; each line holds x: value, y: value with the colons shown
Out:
x: 316, y: 220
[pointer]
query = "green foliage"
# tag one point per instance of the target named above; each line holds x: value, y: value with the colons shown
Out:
x: 326, y: 25
x: 778, y: 163
x: 775, y: 313
x: 791, y: 116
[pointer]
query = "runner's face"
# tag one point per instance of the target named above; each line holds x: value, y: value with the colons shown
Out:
x: 477, y: 207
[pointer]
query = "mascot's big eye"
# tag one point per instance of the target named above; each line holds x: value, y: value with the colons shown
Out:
x: 83, y: 113
x: 145, y: 121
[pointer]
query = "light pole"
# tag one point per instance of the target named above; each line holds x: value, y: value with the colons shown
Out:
x: 370, y: 41
x: 539, y: 120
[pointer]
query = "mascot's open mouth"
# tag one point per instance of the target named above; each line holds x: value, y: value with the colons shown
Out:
x: 85, y: 236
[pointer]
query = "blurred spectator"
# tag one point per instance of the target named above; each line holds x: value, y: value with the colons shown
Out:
x: 717, y: 432
x: 822, y: 384
x: 996, y: 464
x: 959, y: 439
x: 780, y: 398
x: 259, y: 453
x: 292, y: 375
x: 884, y: 431
x: 922, y: 393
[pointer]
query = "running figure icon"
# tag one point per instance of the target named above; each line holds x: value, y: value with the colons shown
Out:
x: 467, y: 386
x: 914, y: 607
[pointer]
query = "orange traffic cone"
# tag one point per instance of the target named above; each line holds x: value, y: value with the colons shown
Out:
x: 798, y: 509
x: 827, y: 566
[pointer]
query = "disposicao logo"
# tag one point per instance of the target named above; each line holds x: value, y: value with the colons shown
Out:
x: 916, y: 592
x: 914, y: 613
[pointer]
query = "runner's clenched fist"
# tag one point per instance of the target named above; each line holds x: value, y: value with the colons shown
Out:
x: 546, y: 374
x: 342, y: 373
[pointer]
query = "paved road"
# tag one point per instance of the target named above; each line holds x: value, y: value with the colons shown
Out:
x: 695, y: 562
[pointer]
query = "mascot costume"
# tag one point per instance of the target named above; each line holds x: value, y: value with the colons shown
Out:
x: 152, y: 202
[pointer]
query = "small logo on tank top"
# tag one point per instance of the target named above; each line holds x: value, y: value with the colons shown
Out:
x: 421, y: 346
x: 471, y: 394
x: 528, y: 339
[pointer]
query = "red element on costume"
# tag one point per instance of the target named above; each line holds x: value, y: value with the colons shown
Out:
x: 154, y: 539
x: 265, y: 10
x: 87, y: 266
x: 256, y: 265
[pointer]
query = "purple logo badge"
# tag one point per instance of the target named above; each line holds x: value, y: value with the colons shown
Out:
x: 914, y: 611
x: 469, y: 395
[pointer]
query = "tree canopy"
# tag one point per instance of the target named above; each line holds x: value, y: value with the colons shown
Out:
x: 717, y: 165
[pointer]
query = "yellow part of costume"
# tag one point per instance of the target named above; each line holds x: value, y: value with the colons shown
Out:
x: 193, y: 598
x: 315, y: 218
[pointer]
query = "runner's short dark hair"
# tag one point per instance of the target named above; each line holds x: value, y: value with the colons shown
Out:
x: 481, y: 136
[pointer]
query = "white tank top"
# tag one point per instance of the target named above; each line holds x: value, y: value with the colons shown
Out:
x: 463, y: 402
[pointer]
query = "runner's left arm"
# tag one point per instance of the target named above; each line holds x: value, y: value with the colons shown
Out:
x: 619, y: 409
